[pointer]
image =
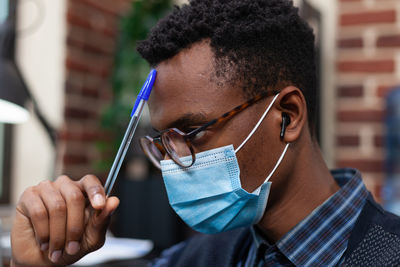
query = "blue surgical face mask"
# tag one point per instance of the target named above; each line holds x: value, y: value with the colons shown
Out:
x: 208, y: 195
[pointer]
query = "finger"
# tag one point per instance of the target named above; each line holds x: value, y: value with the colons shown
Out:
x: 31, y: 206
x: 75, y: 201
x: 94, y: 190
x: 57, y: 210
x: 99, y: 220
x: 97, y: 224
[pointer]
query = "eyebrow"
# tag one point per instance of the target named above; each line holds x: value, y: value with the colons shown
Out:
x: 188, y: 120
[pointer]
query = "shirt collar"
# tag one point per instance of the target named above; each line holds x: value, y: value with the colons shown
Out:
x: 321, y: 238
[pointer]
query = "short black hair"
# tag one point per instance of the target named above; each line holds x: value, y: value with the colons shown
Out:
x: 257, y: 44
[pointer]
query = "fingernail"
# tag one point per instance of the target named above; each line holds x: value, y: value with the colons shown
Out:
x: 44, y: 246
x: 98, y: 200
x: 73, y: 247
x: 55, y: 256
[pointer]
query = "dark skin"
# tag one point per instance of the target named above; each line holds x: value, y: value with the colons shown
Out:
x: 300, y: 184
x: 185, y: 95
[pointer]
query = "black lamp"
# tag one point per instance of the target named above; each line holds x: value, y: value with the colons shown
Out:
x: 14, y: 93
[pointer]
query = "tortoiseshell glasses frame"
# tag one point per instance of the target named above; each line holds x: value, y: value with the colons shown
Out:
x: 177, y: 144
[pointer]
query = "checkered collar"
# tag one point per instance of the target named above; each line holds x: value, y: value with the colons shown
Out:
x: 321, y: 238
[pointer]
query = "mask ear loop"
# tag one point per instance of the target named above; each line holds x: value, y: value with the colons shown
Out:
x: 258, y: 124
x: 257, y: 191
x: 278, y: 162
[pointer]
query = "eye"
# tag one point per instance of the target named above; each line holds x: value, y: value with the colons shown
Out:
x: 199, y: 135
x: 200, y: 138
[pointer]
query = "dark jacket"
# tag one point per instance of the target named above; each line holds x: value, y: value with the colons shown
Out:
x: 374, y: 241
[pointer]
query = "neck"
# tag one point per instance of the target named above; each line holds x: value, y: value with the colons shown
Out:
x: 306, y: 186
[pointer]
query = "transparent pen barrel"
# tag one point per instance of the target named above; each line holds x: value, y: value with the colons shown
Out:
x: 123, y: 148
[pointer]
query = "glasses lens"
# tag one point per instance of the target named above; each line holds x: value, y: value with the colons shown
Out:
x: 177, y: 148
x: 152, y: 152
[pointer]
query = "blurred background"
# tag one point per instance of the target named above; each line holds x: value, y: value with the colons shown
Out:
x: 71, y: 66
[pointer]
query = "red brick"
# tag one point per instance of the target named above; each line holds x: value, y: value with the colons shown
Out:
x: 76, y: 113
x: 85, y: 23
x: 79, y: 136
x: 348, y: 140
x: 106, y: 94
x: 388, y: 41
x: 90, y: 136
x: 75, y: 20
x: 364, y: 165
x: 84, y: 91
x: 379, y: 141
x: 351, y: 43
x: 370, y: 66
x: 84, y: 134
x: 89, y: 47
x: 360, y: 116
x: 351, y: 91
x: 79, y: 67
x: 87, y: 67
x: 71, y: 88
x: 75, y: 159
x: 91, y: 41
x: 67, y: 135
x: 86, y: 9
x: 383, y: 90
x: 90, y: 92
x: 115, y: 8
x: 386, y: 16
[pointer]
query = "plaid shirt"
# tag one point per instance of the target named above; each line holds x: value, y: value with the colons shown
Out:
x: 321, y: 238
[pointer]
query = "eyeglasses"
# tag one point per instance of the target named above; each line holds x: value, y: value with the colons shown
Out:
x: 178, y: 145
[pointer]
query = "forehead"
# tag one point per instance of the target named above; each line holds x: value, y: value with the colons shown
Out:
x: 185, y: 85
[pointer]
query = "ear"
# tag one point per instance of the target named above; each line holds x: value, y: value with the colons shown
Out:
x: 291, y: 101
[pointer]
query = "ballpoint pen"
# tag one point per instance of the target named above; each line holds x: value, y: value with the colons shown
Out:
x: 135, y: 117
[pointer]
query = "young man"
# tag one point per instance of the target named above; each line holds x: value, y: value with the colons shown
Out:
x: 251, y: 178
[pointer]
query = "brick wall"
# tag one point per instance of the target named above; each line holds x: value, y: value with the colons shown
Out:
x: 91, y: 40
x: 368, y: 65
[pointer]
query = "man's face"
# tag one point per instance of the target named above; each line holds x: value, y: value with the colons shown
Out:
x: 185, y: 96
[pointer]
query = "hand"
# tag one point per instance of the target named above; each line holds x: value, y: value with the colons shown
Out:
x: 54, y: 224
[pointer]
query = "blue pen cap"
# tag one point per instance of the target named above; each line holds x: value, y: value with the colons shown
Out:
x: 150, y: 82
x: 144, y: 93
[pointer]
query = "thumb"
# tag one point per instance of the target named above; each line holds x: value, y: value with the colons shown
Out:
x: 97, y: 224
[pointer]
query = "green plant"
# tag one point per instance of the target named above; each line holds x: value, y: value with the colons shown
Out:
x: 130, y: 70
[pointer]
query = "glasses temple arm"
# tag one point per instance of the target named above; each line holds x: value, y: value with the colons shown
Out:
x: 229, y: 114
x: 201, y: 128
